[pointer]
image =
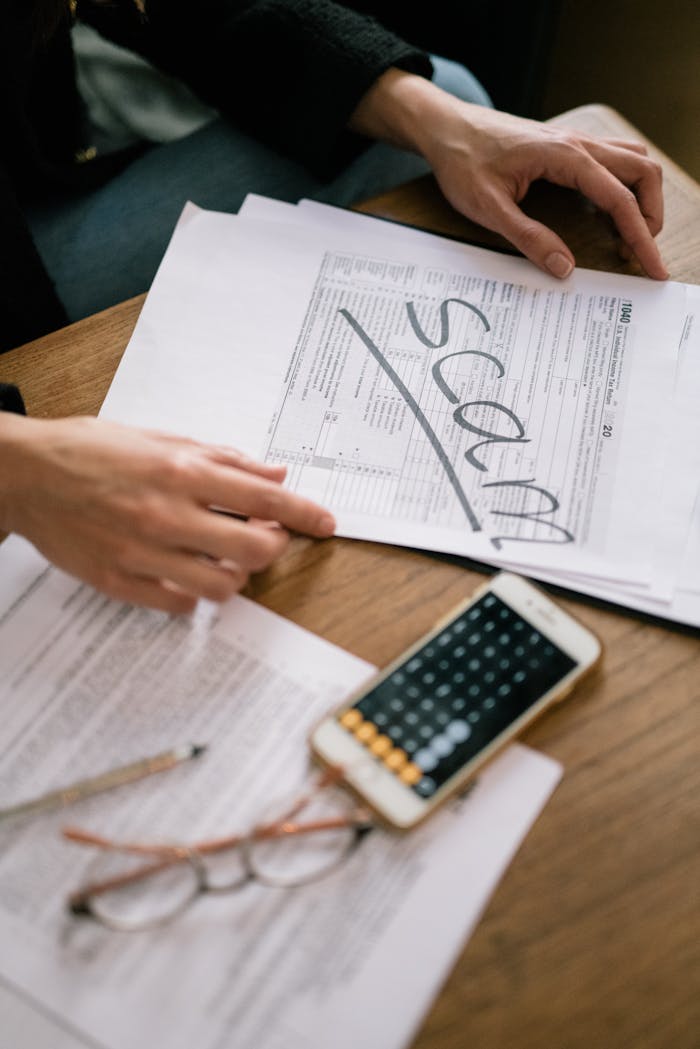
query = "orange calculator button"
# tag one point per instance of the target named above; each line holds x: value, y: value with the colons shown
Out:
x: 381, y: 746
x: 411, y: 774
x: 351, y: 719
x: 396, y: 760
x: 366, y: 732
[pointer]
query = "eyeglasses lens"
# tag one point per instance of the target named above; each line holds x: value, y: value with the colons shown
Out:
x: 289, y: 859
x: 225, y: 870
x: 142, y: 902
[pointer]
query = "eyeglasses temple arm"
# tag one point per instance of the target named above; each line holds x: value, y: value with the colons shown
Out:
x: 79, y: 901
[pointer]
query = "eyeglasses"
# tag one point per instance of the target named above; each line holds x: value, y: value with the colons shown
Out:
x: 135, y: 886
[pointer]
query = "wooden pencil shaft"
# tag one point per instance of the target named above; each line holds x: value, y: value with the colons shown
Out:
x: 86, y: 788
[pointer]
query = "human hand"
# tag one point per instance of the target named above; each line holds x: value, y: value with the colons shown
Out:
x: 485, y: 161
x: 130, y: 511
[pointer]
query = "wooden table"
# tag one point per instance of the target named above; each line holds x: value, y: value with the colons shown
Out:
x: 592, y: 937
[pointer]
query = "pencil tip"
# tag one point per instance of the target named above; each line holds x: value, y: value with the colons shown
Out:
x: 197, y: 749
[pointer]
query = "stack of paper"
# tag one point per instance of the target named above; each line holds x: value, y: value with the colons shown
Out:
x: 437, y: 395
x: 355, y: 959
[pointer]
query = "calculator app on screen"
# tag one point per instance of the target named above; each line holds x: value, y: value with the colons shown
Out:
x: 456, y: 694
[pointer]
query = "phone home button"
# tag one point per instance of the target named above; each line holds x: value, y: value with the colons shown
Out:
x: 364, y: 772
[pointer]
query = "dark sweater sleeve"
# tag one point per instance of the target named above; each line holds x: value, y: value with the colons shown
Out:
x: 29, y: 305
x: 11, y: 399
x: 289, y: 72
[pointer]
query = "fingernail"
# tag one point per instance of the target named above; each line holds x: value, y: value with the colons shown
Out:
x: 559, y: 265
x: 326, y: 525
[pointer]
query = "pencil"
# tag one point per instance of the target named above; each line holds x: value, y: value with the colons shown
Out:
x: 85, y: 788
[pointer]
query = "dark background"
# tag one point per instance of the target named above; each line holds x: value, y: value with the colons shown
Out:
x: 642, y: 58
x: 540, y: 57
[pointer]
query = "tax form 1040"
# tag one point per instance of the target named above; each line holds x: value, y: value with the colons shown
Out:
x: 432, y: 394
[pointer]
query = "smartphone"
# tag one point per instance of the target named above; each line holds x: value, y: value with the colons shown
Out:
x: 418, y: 731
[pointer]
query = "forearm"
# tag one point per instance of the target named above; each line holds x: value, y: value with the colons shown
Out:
x: 402, y: 109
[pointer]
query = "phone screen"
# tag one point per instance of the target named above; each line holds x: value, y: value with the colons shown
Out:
x: 456, y: 694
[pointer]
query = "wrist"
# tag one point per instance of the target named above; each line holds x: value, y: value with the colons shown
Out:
x: 17, y: 434
x: 404, y: 110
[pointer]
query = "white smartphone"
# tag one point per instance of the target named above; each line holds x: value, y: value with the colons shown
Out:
x: 421, y: 729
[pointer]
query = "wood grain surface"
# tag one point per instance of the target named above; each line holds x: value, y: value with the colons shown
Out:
x: 591, y: 939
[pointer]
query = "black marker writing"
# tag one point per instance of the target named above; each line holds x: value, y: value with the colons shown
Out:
x: 420, y: 418
x: 536, y: 517
x: 491, y: 438
x: 530, y: 515
x: 444, y: 322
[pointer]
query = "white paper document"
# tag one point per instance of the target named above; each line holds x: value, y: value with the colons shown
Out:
x: 435, y: 395
x: 352, y: 960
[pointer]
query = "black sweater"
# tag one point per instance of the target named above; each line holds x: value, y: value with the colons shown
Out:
x: 289, y: 72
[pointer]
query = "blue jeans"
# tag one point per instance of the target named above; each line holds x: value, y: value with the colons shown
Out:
x: 105, y: 246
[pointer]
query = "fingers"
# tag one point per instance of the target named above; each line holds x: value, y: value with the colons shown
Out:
x: 173, y: 580
x: 226, y: 479
x: 231, y: 457
x: 269, y: 502
x: 642, y: 175
x: 608, y: 193
x: 535, y: 240
x: 625, y: 143
x: 150, y: 593
x: 200, y: 553
x: 222, y: 554
x: 200, y: 533
x: 603, y: 172
x: 194, y: 574
x: 223, y: 454
x: 248, y: 494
